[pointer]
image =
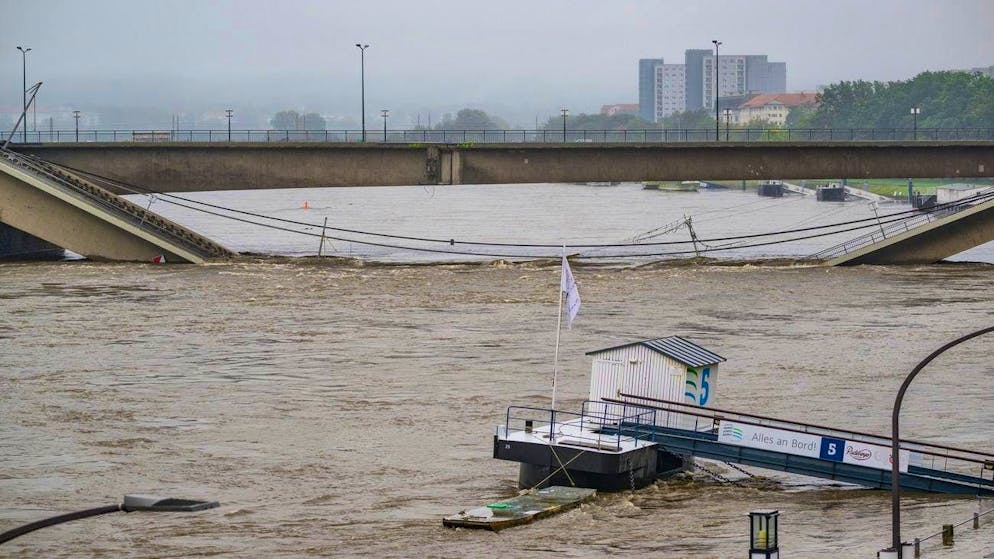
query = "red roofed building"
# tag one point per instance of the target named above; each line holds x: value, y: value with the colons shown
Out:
x: 771, y: 107
x: 620, y: 109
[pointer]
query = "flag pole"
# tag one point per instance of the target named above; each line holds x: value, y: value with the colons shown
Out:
x: 559, y: 330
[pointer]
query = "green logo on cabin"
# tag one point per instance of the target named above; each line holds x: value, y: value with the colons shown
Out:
x: 696, y: 388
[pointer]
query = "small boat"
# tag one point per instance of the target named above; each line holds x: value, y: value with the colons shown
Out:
x: 521, y: 509
x: 672, y: 186
x: 832, y: 192
x: 771, y: 189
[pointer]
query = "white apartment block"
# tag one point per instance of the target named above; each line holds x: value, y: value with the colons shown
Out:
x: 671, y: 90
x: 731, y: 78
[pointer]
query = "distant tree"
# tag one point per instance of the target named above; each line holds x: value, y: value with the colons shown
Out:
x: 292, y: 120
x: 285, y: 120
x: 313, y: 121
x: 585, y: 121
x: 470, y: 119
x: 801, y: 117
x: 947, y: 100
x: 701, y: 118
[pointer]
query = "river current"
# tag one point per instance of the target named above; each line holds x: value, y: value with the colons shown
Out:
x: 341, y: 408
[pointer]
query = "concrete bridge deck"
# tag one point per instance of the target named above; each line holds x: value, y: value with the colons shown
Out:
x: 64, y: 209
x: 186, y: 167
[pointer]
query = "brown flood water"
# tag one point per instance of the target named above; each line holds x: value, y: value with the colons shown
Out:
x: 343, y: 410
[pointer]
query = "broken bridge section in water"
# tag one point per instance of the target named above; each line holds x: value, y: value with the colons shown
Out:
x: 66, y: 210
x: 925, y: 238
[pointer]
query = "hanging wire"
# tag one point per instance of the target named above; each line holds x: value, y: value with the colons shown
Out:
x: 866, y: 223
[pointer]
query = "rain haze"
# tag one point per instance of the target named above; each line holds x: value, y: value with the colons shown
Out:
x: 518, y: 60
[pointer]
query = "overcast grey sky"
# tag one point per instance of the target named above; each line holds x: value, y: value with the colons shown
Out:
x: 514, y: 57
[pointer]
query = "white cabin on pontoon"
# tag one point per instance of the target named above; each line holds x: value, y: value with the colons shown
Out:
x: 671, y: 369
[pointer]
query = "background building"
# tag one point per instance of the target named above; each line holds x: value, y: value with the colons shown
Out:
x: 620, y: 109
x: 647, y: 87
x: 984, y: 71
x: 661, y: 85
x: 771, y: 108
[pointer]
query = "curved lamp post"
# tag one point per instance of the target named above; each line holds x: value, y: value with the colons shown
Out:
x: 895, y: 470
x: 132, y: 503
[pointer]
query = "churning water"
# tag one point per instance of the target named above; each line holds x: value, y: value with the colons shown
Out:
x: 337, y: 409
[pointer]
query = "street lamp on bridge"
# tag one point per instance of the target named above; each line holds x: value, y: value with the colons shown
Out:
x: 75, y: 115
x: 915, y: 111
x: 717, y: 44
x: 384, y: 113
x: 565, y: 114
x: 24, y: 90
x: 728, y: 119
x: 228, y: 113
x: 362, y: 84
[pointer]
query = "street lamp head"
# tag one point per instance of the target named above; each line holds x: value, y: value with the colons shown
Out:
x: 716, y: 42
x: 154, y: 503
x: 24, y: 50
x: 916, y: 110
x: 362, y: 47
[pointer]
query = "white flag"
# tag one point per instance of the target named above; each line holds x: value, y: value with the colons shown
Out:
x: 572, y: 293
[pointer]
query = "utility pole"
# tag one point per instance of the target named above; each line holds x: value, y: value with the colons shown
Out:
x: 565, y: 113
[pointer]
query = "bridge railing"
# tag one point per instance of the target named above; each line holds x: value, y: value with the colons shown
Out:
x: 960, y: 464
x: 591, y: 427
x: 498, y: 136
x: 887, y: 230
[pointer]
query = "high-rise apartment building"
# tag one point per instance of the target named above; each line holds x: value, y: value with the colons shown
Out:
x: 660, y: 84
x: 671, y: 96
x: 647, y: 87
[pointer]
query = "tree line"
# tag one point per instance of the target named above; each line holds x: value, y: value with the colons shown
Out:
x: 945, y: 100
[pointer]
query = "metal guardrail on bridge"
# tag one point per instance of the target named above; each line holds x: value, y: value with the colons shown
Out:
x: 514, y: 135
x: 887, y: 230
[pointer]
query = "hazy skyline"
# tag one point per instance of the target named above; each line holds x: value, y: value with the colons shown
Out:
x: 514, y: 58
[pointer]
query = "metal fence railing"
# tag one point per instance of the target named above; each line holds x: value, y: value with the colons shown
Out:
x: 887, y: 230
x: 512, y: 135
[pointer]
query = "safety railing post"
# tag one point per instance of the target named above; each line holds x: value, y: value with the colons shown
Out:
x: 552, y: 427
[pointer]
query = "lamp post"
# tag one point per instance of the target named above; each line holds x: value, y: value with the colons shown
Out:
x: 385, y: 113
x: 24, y: 90
x: 717, y: 44
x: 728, y: 118
x: 362, y: 84
x: 565, y: 114
x: 228, y: 113
x: 915, y: 111
x: 75, y: 115
x: 895, y: 470
x: 132, y: 503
